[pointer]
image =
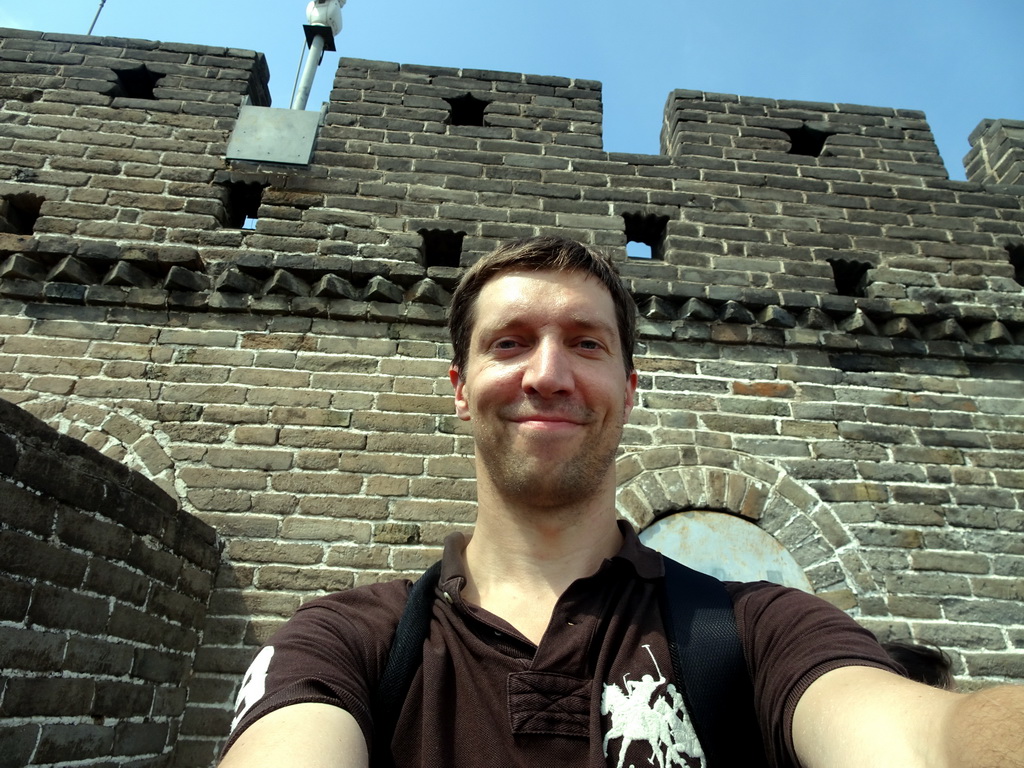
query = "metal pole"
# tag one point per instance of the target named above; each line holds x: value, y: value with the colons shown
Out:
x: 98, y: 10
x: 298, y: 70
x: 316, y: 52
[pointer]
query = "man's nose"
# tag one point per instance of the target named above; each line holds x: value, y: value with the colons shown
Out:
x: 548, y: 370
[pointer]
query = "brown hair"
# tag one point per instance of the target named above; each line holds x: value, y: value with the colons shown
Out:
x: 539, y: 254
x: 924, y: 663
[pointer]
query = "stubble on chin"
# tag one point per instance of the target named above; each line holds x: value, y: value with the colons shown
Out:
x: 536, y: 481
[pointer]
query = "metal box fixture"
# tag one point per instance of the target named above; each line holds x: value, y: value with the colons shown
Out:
x: 265, y: 134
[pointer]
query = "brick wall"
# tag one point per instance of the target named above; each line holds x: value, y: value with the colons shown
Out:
x: 104, y: 585
x: 997, y: 152
x: 832, y: 332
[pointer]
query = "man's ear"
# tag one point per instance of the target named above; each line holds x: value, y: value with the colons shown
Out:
x: 631, y: 382
x: 461, y: 403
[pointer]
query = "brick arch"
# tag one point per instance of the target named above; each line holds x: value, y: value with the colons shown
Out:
x: 119, y: 434
x: 662, y: 480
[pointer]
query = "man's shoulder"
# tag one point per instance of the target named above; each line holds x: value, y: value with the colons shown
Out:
x: 770, y: 610
x: 761, y: 589
x: 764, y: 595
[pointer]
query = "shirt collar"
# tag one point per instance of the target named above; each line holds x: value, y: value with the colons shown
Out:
x: 647, y: 563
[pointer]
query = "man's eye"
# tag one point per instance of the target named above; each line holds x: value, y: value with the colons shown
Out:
x: 506, y: 344
x: 590, y: 344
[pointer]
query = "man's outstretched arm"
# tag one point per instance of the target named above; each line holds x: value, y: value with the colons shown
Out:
x: 301, y: 735
x: 861, y: 716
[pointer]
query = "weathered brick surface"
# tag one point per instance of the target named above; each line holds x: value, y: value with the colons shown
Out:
x: 832, y: 346
x: 997, y: 152
x: 83, y: 574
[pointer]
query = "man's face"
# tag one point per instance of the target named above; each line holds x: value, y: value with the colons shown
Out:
x: 545, y: 386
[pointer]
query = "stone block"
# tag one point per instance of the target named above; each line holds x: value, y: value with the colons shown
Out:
x: 26, y: 697
x: 31, y: 558
x: 122, y: 700
x: 97, y: 656
x: 160, y: 666
x: 83, y: 740
x: 281, y: 578
x: 28, y: 649
x: 138, y: 739
x: 19, y: 742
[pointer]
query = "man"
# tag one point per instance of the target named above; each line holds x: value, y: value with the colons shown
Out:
x: 546, y: 645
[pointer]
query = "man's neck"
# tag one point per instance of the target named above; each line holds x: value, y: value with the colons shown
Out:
x: 520, y: 562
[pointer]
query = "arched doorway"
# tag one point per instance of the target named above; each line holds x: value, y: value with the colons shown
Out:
x: 725, y: 546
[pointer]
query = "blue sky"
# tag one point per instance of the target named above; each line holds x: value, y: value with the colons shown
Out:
x: 957, y: 60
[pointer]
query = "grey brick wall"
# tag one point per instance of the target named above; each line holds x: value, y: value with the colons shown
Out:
x: 105, y: 586
x: 741, y: 133
x: 832, y: 331
x: 997, y: 152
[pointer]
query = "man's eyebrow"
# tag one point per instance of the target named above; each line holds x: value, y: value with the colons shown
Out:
x: 595, y: 324
x: 576, y: 321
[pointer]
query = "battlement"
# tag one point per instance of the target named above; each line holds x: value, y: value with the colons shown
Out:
x: 821, y: 139
x: 463, y: 109
x: 117, y: 190
x: 125, y: 73
x: 997, y: 153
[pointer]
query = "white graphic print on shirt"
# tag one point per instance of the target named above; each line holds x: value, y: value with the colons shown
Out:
x: 651, y: 710
x: 254, y: 684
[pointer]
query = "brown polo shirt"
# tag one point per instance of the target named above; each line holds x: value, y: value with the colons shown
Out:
x: 598, y: 690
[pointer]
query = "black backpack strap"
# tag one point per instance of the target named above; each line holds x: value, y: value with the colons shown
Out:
x: 405, y: 658
x: 708, y: 661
